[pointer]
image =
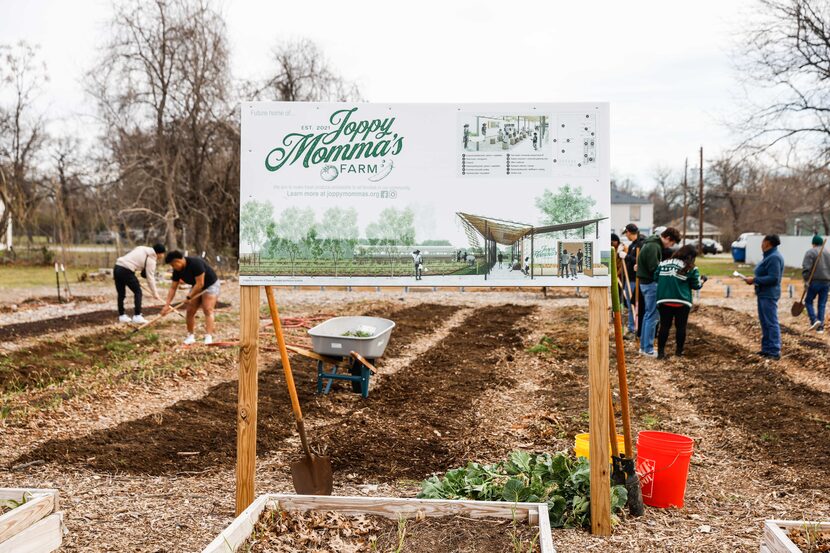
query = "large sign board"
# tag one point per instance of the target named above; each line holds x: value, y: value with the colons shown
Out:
x: 423, y: 194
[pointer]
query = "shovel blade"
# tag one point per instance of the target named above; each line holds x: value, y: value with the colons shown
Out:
x: 312, y: 475
x: 797, y: 308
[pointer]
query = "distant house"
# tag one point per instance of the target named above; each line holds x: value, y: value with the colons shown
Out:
x: 709, y: 230
x: 806, y: 221
x: 627, y: 208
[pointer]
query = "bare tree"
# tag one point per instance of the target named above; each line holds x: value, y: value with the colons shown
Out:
x: 303, y: 75
x: 732, y: 189
x: 667, y: 194
x: 787, y: 55
x: 22, y: 134
x: 162, y: 90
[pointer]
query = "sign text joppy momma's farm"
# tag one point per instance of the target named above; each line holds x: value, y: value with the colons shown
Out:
x: 424, y: 194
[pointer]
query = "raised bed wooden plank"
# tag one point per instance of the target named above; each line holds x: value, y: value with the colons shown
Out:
x: 17, y: 493
x: 44, y: 536
x: 235, y: 535
x: 25, y: 528
x: 775, y: 534
x: 20, y: 518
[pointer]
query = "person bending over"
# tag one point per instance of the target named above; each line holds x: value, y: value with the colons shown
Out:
x: 201, y: 277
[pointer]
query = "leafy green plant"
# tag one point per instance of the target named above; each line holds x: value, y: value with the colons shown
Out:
x: 560, y: 480
x: 545, y: 345
x: 9, y: 504
x: 357, y: 333
x: 650, y: 421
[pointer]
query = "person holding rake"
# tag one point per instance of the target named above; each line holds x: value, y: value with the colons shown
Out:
x: 204, y: 292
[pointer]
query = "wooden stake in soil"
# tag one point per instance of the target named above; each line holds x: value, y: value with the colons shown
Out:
x: 598, y: 415
x: 58, y: 282
x: 247, y: 400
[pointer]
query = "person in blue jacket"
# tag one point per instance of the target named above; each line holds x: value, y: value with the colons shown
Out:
x: 767, y: 282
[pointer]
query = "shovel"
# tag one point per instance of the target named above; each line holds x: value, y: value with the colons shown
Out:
x: 624, y: 465
x: 311, y: 474
x: 798, y: 306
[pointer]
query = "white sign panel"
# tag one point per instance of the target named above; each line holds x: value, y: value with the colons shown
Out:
x: 424, y: 194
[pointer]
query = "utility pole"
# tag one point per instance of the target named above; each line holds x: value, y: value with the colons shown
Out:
x: 685, y: 197
x: 700, y: 209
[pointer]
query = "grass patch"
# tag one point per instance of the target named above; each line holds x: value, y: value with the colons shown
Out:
x: 24, y: 276
x: 724, y: 266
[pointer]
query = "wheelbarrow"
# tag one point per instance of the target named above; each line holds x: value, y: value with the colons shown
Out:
x: 349, y: 345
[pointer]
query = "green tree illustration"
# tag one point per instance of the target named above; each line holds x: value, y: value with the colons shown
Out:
x: 293, y: 229
x: 339, y: 232
x: 567, y: 205
x: 393, y: 228
x: 254, y: 219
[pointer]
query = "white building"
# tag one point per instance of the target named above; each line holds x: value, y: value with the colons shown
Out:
x: 626, y: 208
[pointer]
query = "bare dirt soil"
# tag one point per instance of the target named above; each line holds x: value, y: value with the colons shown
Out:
x: 66, y: 323
x: 149, y: 465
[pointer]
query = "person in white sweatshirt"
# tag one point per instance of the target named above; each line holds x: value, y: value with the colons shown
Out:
x: 143, y: 259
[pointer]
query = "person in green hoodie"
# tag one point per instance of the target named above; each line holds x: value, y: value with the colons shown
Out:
x: 676, y: 278
x: 650, y: 257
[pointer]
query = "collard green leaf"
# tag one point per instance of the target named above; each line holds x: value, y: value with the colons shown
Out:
x: 560, y: 480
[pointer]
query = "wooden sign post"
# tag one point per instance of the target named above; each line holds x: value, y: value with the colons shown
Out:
x: 598, y: 404
x: 599, y: 399
x: 247, y: 399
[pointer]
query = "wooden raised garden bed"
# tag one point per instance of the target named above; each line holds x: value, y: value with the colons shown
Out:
x: 533, y: 514
x: 33, y: 524
x: 780, y: 536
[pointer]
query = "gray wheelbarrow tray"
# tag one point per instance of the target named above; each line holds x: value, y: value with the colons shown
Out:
x: 327, y: 337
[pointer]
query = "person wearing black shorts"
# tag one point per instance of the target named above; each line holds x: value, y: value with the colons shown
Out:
x: 201, y: 277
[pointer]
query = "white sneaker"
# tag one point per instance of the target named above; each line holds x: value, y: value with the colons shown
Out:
x: 815, y: 325
x: 208, y: 339
x: 124, y: 319
x: 190, y: 339
x: 139, y: 319
x: 652, y: 354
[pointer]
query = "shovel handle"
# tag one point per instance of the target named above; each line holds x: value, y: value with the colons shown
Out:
x: 286, y: 363
x: 621, y: 372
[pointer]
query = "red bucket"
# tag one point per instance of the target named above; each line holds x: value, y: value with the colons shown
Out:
x: 663, y: 465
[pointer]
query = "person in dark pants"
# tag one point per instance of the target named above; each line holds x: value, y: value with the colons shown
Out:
x: 418, y: 262
x: 632, y: 232
x: 579, y: 258
x: 500, y: 258
x: 647, y: 263
x: 767, y: 282
x: 820, y: 283
x: 676, y: 278
x: 144, y: 259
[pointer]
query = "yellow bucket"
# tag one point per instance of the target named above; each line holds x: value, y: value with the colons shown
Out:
x: 582, y: 445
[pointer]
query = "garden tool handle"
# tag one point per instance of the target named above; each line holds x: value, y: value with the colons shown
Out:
x: 621, y: 371
x: 613, y: 425
x: 286, y: 364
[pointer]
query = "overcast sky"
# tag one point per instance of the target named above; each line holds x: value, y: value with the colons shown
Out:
x: 664, y: 66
